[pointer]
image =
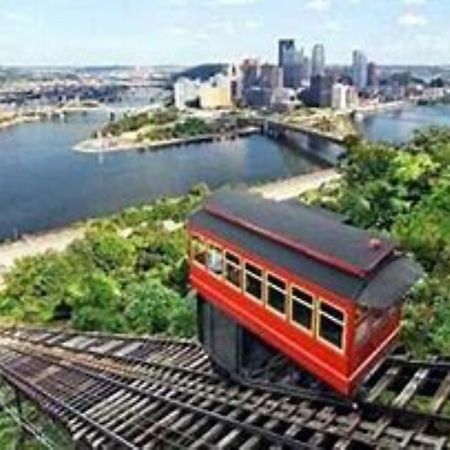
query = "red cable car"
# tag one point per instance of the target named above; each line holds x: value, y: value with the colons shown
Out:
x: 299, y: 280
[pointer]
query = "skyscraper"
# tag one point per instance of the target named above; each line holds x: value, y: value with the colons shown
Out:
x: 320, y: 91
x: 318, y: 60
x: 286, y: 49
x: 271, y: 76
x: 372, y: 75
x: 306, y: 70
x: 290, y: 59
x: 360, y: 70
x: 250, y: 72
x: 292, y: 75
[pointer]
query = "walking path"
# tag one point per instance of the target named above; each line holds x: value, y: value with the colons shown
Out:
x: 293, y: 187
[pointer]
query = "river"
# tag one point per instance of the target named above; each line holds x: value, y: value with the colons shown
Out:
x: 398, y: 126
x: 44, y: 184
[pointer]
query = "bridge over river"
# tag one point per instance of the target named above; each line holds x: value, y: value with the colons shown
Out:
x: 274, y: 128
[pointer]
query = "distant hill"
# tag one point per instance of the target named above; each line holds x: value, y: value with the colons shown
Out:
x: 202, y: 72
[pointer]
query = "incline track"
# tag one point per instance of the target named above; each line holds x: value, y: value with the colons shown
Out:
x: 119, y: 392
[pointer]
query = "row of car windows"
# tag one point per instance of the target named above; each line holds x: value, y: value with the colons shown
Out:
x: 316, y: 317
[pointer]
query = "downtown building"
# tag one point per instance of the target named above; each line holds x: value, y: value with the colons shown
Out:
x: 252, y: 94
x: 216, y: 93
x: 286, y: 50
x: 269, y: 79
x: 186, y: 93
x: 373, y: 79
x: 270, y: 76
x: 294, y: 63
x: 250, y: 73
x: 318, y: 61
x: 320, y: 92
x: 219, y: 91
x: 360, y: 70
x: 264, y: 83
x: 344, y: 97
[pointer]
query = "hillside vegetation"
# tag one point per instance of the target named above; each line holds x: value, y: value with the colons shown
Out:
x: 129, y: 274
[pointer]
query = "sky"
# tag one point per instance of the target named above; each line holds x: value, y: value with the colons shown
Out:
x: 147, y: 32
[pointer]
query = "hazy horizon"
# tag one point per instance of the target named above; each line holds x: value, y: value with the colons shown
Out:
x: 193, y: 64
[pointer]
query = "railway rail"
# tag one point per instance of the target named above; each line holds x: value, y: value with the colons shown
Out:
x: 112, y: 391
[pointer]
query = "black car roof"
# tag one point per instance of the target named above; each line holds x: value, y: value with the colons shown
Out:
x: 302, y: 228
x: 311, y: 244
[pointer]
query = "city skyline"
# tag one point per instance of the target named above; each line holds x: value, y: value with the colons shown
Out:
x: 62, y: 32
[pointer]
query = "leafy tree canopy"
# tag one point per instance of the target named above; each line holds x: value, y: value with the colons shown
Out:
x: 128, y: 274
x: 405, y: 192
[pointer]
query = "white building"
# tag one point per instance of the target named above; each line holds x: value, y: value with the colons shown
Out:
x: 352, y: 98
x: 343, y: 97
x: 186, y: 91
x: 284, y: 99
x: 339, y: 96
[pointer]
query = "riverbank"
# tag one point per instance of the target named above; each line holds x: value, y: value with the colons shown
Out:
x: 120, y: 144
x: 376, y: 108
x: 289, y: 188
x: 58, y: 240
x: 10, y: 122
x: 12, y: 119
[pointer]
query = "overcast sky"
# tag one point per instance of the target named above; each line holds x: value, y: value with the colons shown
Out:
x: 142, y: 32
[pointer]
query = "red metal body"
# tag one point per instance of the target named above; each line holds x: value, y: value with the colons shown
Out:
x: 367, y: 336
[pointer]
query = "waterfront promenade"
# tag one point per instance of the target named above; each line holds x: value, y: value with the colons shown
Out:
x: 375, y: 108
x: 288, y: 188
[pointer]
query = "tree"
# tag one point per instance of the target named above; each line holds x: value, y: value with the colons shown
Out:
x: 435, y: 142
x: 426, y: 230
x: 96, y: 304
x: 380, y: 183
x: 405, y: 192
x: 127, y: 262
x: 426, y: 328
x: 36, y: 286
x: 148, y: 306
x: 182, y: 318
x: 104, y: 250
